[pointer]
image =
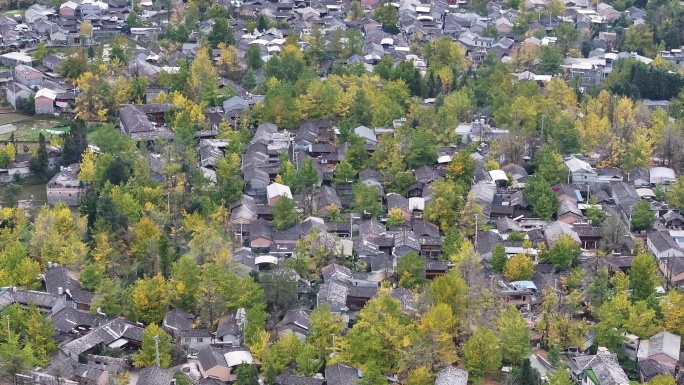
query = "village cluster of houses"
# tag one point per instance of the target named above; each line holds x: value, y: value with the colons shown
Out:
x: 419, y: 22
x: 363, y: 238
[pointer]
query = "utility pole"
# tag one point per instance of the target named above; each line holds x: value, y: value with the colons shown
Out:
x: 156, y: 350
x: 476, y: 231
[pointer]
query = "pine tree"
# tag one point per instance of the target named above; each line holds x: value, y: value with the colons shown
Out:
x: 39, y: 163
x: 75, y: 143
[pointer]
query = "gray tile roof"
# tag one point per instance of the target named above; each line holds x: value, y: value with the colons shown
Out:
x: 227, y: 325
x: 341, y: 374
x: 662, y: 241
x: 155, y: 375
x: 292, y: 379
x: 604, y: 365
x: 211, y: 357
x: 451, y: 376
x: 178, y: 319
x: 664, y: 343
x: 69, y: 318
x: 105, y: 334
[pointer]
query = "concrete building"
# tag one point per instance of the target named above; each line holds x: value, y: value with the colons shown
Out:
x: 66, y: 187
x: 45, y: 101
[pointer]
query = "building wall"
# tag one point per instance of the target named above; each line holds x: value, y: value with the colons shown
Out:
x: 665, y: 360
x: 70, y: 196
x: 45, y: 105
x: 66, y: 11
x: 196, y: 343
x: 229, y: 338
x: 33, y: 78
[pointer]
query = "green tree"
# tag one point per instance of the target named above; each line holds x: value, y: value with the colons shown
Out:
x: 253, y: 55
x: 481, y: 353
x: 567, y: 36
x: 643, y: 277
x: 561, y: 377
x: 642, y: 217
x: 499, y: 258
x: 564, y: 253
x: 325, y: 325
x: 230, y: 182
x: 372, y: 376
x: 75, y: 143
x: 549, y: 165
x: 411, y: 270
x: 639, y: 38
x: 91, y: 276
x: 421, y: 149
x: 525, y: 374
x: 11, y: 195
x: 550, y: 60
x: 147, y: 354
x: 249, y: 81
x: 284, y: 214
x: 388, y: 16
x: 15, y: 358
x: 451, y: 289
x: 184, y: 283
x: 366, y: 199
x: 307, y: 176
x: 41, y: 52
x: 221, y: 32
x: 39, y: 163
x: 594, y: 212
x: 40, y: 333
x: 360, y: 110
x: 109, y: 297
x: 344, y: 173
x: 514, y: 336
x: 356, y: 11
x: 543, y: 200
x: 247, y: 375
x: 280, y: 287
x: 368, y: 341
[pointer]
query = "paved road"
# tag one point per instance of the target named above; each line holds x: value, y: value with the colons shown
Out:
x: 534, y: 361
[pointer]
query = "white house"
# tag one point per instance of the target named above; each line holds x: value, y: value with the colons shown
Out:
x: 580, y: 171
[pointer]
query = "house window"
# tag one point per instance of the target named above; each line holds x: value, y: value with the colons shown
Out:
x: 200, y: 340
x: 188, y: 340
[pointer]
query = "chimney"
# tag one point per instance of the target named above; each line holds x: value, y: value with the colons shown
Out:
x: 60, y: 291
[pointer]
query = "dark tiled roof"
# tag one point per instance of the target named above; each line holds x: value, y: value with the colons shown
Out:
x: 178, y: 319
x: 341, y: 374
x: 155, y: 375
x: 436, y: 265
x: 228, y: 325
x: 211, y: 357
x: 105, y: 334
x: 68, y: 318
x: 363, y: 291
x: 291, y: 379
x: 662, y: 241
